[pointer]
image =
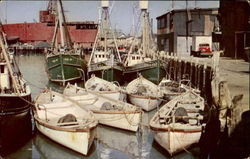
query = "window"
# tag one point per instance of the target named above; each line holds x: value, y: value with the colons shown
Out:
x: 158, y: 24
x: 162, y: 41
x: 2, y: 68
x: 197, y: 23
x: 204, y: 45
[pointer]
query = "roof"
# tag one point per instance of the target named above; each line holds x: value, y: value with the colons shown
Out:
x: 190, y: 9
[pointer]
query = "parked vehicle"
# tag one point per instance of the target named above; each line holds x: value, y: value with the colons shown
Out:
x: 201, y: 46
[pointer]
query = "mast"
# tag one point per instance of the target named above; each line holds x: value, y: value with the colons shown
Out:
x: 65, y: 36
x: 145, y: 33
x: 103, y: 28
x: 59, y: 10
x: 105, y: 13
x: 17, y: 87
x: 54, y: 35
x: 52, y: 7
x: 96, y: 38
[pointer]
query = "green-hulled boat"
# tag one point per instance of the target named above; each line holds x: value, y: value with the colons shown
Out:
x: 153, y: 70
x: 107, y: 70
x: 145, y: 61
x: 105, y: 61
x: 64, y: 64
x: 66, y: 67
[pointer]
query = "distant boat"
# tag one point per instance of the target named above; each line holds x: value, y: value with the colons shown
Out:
x: 143, y: 93
x: 178, y: 124
x: 106, y: 88
x: 63, y: 121
x: 107, y: 111
x: 105, y: 60
x: 15, y: 101
x: 145, y: 59
x: 64, y: 64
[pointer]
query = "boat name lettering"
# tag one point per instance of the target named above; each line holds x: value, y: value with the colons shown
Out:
x: 55, y: 60
x: 68, y: 59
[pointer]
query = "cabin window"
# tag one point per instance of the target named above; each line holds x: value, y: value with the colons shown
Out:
x: 103, y: 56
x: 133, y: 57
x: 2, y: 68
x: 96, y: 56
x: 100, y: 56
x: 138, y: 57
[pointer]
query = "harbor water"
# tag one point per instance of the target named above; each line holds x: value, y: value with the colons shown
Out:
x: 110, y: 143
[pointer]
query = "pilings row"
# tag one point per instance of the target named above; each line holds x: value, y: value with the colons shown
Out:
x: 199, y: 74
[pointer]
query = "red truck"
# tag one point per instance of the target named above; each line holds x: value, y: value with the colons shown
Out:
x: 201, y: 46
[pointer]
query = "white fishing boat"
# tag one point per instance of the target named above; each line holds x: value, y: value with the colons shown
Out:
x: 63, y: 121
x: 178, y: 124
x: 143, y: 93
x: 105, y: 60
x: 107, y: 111
x: 106, y: 88
x: 186, y: 84
x: 143, y: 58
x: 171, y: 89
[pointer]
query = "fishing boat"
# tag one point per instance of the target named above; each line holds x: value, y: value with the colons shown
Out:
x: 143, y: 93
x: 15, y: 101
x: 64, y: 63
x: 105, y: 88
x: 107, y: 111
x: 105, y: 60
x: 145, y: 59
x: 62, y: 120
x: 178, y: 124
x: 171, y: 89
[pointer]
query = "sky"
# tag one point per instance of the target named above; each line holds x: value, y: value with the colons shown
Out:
x: 121, y: 12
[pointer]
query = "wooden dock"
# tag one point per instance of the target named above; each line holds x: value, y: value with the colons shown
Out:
x: 224, y: 83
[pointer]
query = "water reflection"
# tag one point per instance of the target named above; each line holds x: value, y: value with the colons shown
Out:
x: 118, y: 140
x: 47, y: 149
x: 110, y: 142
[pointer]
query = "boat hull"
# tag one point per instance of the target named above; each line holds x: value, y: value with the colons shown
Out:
x: 121, y: 120
x: 15, y: 122
x: 77, y: 141
x: 153, y: 71
x: 109, y: 74
x: 64, y: 68
x: 168, y: 97
x: 146, y: 103
x: 116, y: 95
x: 175, y: 142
